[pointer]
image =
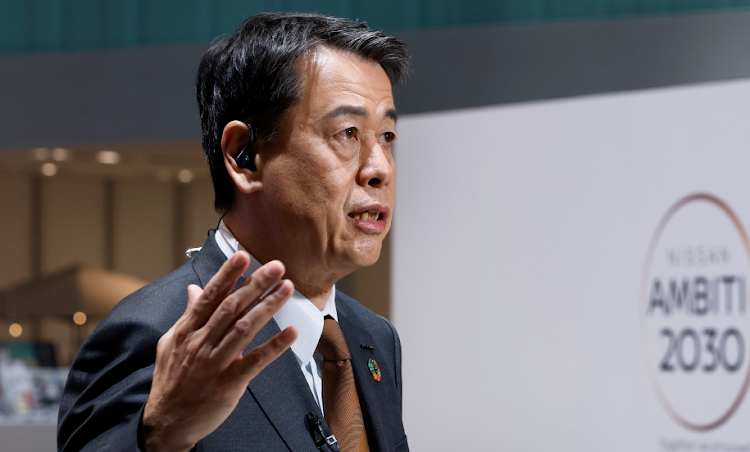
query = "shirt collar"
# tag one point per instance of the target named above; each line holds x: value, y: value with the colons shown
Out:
x: 298, y: 311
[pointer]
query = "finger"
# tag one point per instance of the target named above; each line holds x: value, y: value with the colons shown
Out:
x: 277, y: 265
x: 200, y: 310
x: 235, y: 305
x: 246, y: 327
x: 251, y: 364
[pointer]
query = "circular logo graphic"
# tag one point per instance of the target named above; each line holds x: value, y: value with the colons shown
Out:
x: 374, y: 369
x: 695, y: 320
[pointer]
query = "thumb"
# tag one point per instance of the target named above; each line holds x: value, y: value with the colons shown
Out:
x: 194, y: 292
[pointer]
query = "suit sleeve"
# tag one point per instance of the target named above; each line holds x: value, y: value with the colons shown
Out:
x: 403, y: 445
x: 108, y: 387
x: 397, y: 358
x: 110, y: 379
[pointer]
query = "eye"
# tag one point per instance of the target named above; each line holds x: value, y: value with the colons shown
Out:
x: 349, y: 134
x: 387, y: 138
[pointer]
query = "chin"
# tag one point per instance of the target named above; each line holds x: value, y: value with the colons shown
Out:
x: 365, y: 255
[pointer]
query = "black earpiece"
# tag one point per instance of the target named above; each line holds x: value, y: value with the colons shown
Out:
x: 246, y: 157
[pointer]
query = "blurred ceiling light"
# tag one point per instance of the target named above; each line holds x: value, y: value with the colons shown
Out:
x: 15, y: 330
x: 49, y: 169
x: 185, y: 176
x: 40, y: 153
x: 79, y: 318
x: 108, y: 157
x: 60, y: 154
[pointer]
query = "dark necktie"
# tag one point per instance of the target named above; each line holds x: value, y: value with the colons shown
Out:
x: 340, y: 401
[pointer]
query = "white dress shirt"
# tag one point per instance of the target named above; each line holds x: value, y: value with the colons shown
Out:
x: 298, y: 311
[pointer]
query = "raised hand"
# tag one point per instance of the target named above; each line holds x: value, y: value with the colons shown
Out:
x: 200, y: 373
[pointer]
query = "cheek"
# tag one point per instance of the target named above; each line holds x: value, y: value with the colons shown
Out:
x: 308, y: 189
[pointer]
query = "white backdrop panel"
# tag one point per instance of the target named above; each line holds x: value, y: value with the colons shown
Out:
x: 520, y: 238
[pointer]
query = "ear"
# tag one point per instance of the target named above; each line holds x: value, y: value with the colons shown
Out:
x: 233, y: 139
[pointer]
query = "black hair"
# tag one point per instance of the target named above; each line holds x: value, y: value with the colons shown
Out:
x: 250, y: 76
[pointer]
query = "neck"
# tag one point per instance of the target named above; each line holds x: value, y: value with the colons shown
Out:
x: 317, y: 298
x: 314, y: 284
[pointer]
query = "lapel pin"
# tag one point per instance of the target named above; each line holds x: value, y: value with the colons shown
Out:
x: 367, y: 347
x: 374, y: 369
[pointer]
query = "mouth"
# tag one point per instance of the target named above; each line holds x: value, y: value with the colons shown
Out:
x: 370, y: 219
x: 367, y: 215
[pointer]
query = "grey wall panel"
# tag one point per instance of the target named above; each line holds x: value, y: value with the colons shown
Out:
x: 131, y: 95
x: 147, y: 94
x: 477, y: 67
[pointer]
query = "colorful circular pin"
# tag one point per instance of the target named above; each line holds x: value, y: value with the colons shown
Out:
x: 374, y: 369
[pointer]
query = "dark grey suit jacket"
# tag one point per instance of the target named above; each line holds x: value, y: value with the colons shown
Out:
x: 110, y: 378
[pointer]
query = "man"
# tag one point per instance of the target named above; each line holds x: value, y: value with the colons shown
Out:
x: 298, y: 125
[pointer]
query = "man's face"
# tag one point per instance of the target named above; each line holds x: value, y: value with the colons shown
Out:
x: 329, y: 176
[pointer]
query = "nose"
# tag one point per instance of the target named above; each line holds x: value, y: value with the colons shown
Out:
x: 377, y: 167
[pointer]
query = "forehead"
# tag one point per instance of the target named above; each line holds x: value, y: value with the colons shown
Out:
x: 333, y: 78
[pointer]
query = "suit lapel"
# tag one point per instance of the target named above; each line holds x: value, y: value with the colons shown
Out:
x: 283, y: 394
x: 368, y: 389
x: 280, y: 389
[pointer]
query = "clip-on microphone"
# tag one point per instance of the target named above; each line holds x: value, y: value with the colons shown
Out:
x: 246, y: 157
x: 321, y: 435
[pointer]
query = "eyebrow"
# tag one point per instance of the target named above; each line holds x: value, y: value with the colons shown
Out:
x: 347, y: 110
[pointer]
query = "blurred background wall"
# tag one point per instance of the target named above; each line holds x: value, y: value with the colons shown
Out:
x: 100, y: 159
